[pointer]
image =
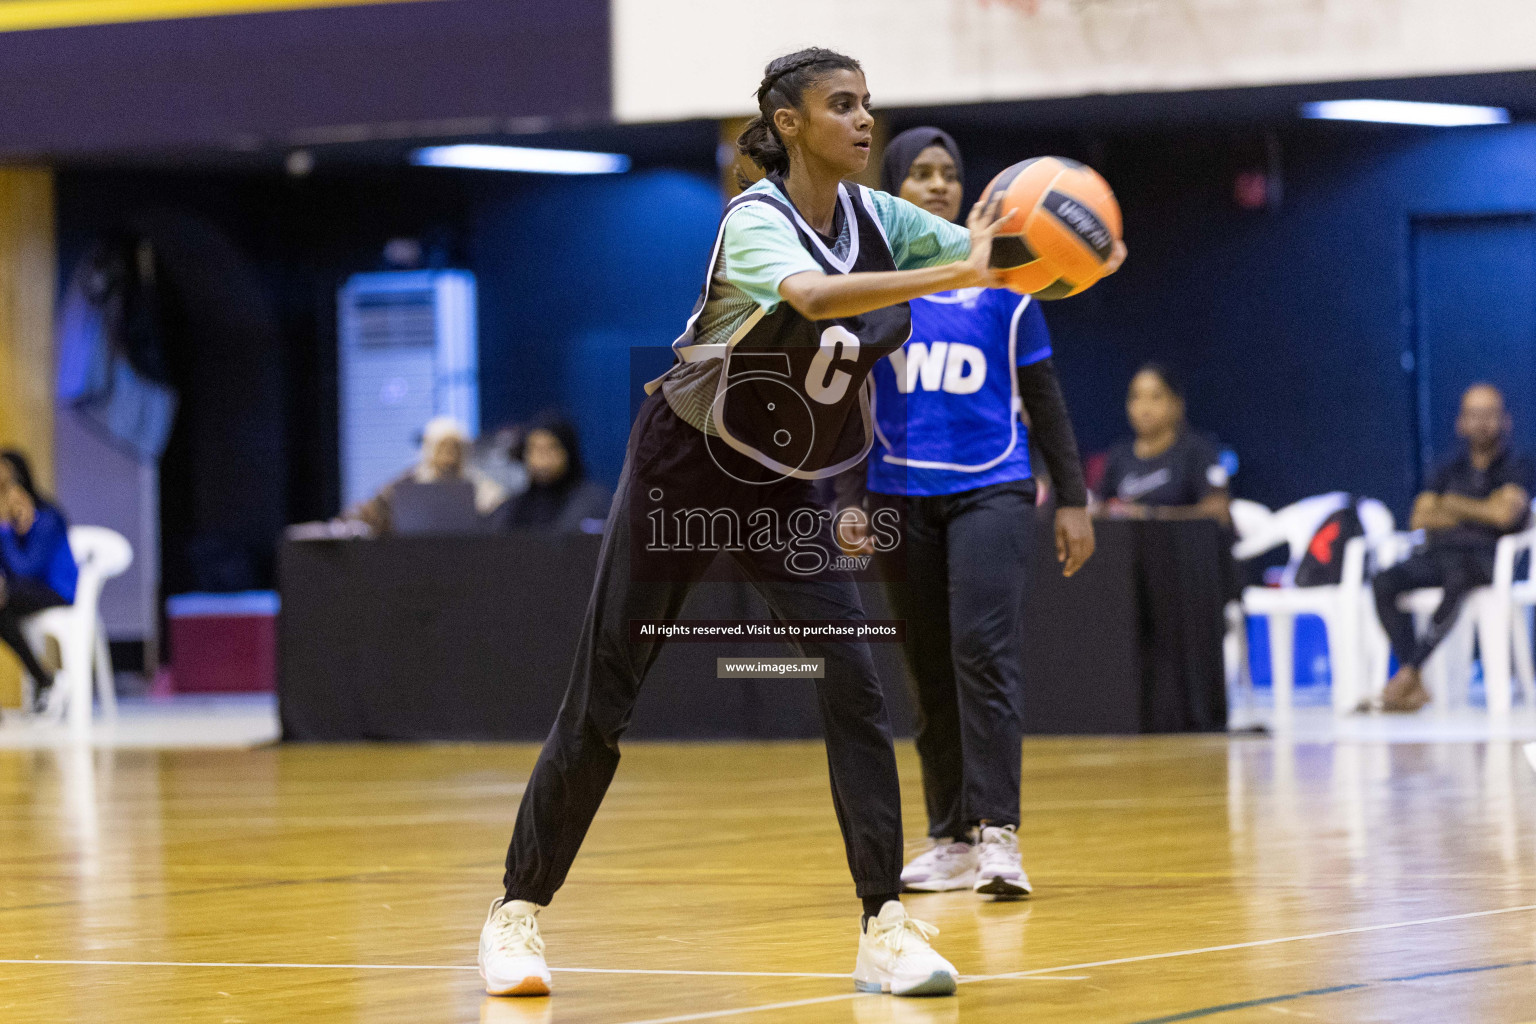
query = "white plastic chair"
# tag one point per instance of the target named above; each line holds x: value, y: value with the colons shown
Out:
x: 1522, y: 604
x: 101, y: 554
x: 1496, y: 617
x: 1502, y: 611
x: 1340, y: 606
x: 1250, y: 520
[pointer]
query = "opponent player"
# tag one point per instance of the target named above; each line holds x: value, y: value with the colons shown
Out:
x: 807, y: 289
x: 952, y: 463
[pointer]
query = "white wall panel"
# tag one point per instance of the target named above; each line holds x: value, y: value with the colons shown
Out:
x: 408, y: 351
x: 703, y: 58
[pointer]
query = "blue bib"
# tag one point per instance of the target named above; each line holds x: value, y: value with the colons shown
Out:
x: 947, y: 403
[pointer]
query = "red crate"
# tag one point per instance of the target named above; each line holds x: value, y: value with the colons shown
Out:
x: 223, y: 643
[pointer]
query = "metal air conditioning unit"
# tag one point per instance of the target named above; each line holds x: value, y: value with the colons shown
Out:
x: 408, y: 352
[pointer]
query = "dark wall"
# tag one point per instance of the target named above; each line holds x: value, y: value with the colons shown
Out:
x: 299, y: 77
x: 252, y: 264
x: 572, y: 274
x: 1289, y: 325
x: 575, y: 274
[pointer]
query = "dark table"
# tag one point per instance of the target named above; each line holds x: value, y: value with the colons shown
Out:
x: 471, y: 638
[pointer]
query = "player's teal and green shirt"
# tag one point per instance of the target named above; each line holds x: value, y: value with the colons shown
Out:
x: 759, y: 248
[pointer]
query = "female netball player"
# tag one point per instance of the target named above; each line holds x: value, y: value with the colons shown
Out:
x: 952, y: 462
x: 808, y: 288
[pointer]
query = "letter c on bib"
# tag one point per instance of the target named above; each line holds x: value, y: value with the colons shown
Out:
x: 838, y: 345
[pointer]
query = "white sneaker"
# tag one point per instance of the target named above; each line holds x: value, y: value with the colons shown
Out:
x: 999, y: 870
x: 512, y: 951
x: 949, y: 865
x: 895, y: 957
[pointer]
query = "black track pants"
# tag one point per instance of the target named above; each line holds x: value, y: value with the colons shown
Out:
x: 959, y: 580
x: 1458, y: 570
x: 671, y: 466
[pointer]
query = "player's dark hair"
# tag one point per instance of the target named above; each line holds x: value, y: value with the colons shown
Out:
x: 785, y: 80
x: 21, y: 472
x: 1160, y: 371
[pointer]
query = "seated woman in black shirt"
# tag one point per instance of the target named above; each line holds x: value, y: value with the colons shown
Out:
x: 1167, y: 471
x: 559, y: 498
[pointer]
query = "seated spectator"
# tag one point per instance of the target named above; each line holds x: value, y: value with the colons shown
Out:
x: 1471, y: 501
x: 444, y: 457
x: 37, y: 568
x: 1167, y: 471
x: 559, y: 498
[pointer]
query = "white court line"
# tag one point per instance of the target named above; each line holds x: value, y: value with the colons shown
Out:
x: 418, y: 967
x: 1020, y: 975
x: 1050, y: 975
x: 712, y: 974
x: 1256, y: 943
x: 711, y: 1014
x: 715, y: 1014
x: 211, y: 963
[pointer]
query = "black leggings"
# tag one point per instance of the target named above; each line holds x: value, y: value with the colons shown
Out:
x: 25, y: 596
x: 959, y: 579
x: 671, y: 466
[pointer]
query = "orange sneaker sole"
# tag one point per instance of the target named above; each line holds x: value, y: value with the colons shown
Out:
x: 529, y: 986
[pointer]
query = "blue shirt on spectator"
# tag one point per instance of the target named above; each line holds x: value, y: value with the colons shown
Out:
x: 42, y: 553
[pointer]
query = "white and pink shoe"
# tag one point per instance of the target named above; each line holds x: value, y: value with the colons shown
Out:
x: 949, y: 865
x: 999, y: 868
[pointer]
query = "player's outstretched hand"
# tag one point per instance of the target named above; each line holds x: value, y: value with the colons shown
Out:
x: 985, y: 223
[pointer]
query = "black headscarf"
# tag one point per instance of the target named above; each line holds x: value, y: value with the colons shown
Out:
x: 541, y: 504
x: 901, y: 152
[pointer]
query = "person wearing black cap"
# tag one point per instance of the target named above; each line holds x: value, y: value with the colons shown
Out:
x: 955, y: 410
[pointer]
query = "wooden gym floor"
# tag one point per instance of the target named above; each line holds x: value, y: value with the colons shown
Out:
x: 1178, y: 879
